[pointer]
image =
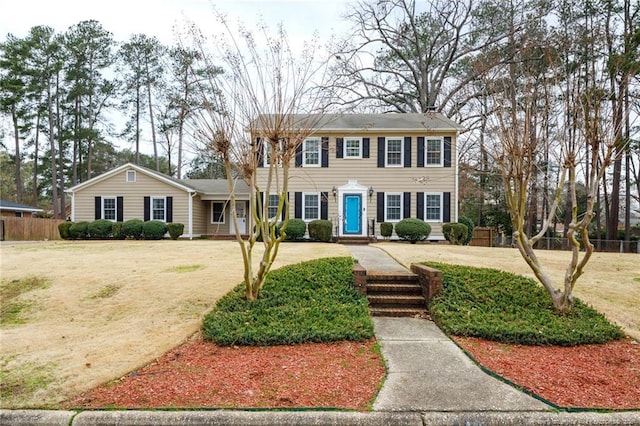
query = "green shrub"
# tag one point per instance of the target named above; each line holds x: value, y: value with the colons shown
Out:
x: 455, y: 233
x: 320, y: 230
x: 295, y: 230
x: 386, y: 229
x: 467, y: 221
x: 100, y: 229
x: 116, y: 231
x: 132, y: 228
x: 63, y: 229
x: 500, y: 306
x: 79, y: 230
x: 175, y: 230
x: 308, y: 302
x: 154, y: 230
x: 413, y: 230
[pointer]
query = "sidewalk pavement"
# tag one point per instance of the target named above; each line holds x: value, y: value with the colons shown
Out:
x: 430, y: 381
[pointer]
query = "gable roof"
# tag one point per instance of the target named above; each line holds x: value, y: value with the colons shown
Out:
x: 432, y: 120
x: 11, y: 206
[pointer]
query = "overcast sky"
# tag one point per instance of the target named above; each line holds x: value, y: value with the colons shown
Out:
x: 158, y: 17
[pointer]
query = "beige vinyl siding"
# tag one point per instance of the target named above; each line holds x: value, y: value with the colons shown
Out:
x: 199, y: 216
x: 367, y: 173
x: 218, y: 228
x: 133, y: 194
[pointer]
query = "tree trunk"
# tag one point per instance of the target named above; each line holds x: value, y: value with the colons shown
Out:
x: 36, y: 151
x: 153, y: 127
x: 18, y: 159
x: 52, y: 146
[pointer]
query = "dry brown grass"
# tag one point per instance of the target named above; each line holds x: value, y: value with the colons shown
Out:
x: 112, y: 307
x: 611, y: 282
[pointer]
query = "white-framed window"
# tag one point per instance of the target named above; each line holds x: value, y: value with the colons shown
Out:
x: 217, y: 212
x: 19, y: 214
x: 311, y: 152
x: 131, y: 175
x: 352, y: 148
x: 109, y: 207
x: 158, y: 208
x: 394, y: 154
x: 433, y: 152
x: 272, y: 207
x: 433, y: 207
x: 310, y: 206
x: 392, y: 207
x: 268, y: 148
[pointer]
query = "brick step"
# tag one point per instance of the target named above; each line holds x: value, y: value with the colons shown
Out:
x: 398, y: 312
x: 397, y: 278
x: 394, y: 288
x: 396, y: 300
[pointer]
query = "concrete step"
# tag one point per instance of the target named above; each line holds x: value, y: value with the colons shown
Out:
x: 399, y: 312
x: 388, y: 288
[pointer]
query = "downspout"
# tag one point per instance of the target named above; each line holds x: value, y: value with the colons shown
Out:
x: 73, y: 206
x: 455, y: 155
x: 192, y: 194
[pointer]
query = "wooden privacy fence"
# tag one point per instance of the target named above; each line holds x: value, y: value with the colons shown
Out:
x: 29, y: 229
x: 482, y: 237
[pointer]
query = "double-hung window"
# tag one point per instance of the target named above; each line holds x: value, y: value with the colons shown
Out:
x: 268, y: 149
x: 393, y: 207
x: 217, y: 212
x: 311, y: 152
x: 394, y: 152
x: 433, y: 207
x: 311, y: 206
x: 272, y: 207
x: 109, y: 208
x: 159, y: 208
x: 433, y: 152
x: 352, y: 147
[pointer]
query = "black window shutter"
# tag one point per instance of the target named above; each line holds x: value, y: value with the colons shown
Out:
x: 447, y: 151
x: 147, y: 208
x: 446, y: 207
x: 380, y: 152
x: 420, y: 205
x: 339, y: 147
x: 297, y: 199
x: 120, y: 209
x: 98, y: 208
x: 324, y: 147
x: 259, y: 153
x: 324, y: 205
x: 420, y: 151
x: 406, y: 197
x: 285, y: 208
x: 365, y: 147
x: 169, y: 207
x: 380, y: 206
x: 407, y: 151
x: 299, y: 155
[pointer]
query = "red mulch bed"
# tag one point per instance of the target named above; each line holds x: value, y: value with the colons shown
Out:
x: 605, y: 376
x: 347, y: 375
x: 200, y: 374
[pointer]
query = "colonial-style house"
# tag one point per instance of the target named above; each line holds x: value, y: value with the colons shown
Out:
x: 356, y: 170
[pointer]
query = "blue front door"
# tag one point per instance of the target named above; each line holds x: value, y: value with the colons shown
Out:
x: 352, y: 217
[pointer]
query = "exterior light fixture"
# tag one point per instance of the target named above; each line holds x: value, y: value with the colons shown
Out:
x: 334, y: 191
x: 370, y: 192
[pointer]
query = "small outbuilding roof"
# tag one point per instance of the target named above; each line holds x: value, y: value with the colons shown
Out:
x: 17, y: 207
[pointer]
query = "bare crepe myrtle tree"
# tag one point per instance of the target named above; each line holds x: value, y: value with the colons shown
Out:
x: 257, y: 112
x: 569, y: 115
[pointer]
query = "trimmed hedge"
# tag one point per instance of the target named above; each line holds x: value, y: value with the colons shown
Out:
x: 63, y: 229
x: 455, y: 233
x: 469, y: 223
x: 510, y: 308
x: 154, y: 230
x: 100, y: 229
x: 116, y: 231
x: 175, y: 230
x: 308, y: 302
x: 320, y: 230
x: 413, y: 230
x: 79, y: 230
x: 295, y: 230
x: 386, y: 229
x: 132, y: 228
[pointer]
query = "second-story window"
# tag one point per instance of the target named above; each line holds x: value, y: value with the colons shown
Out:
x: 311, y: 152
x: 352, y: 148
x: 433, y: 152
x: 394, y: 152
